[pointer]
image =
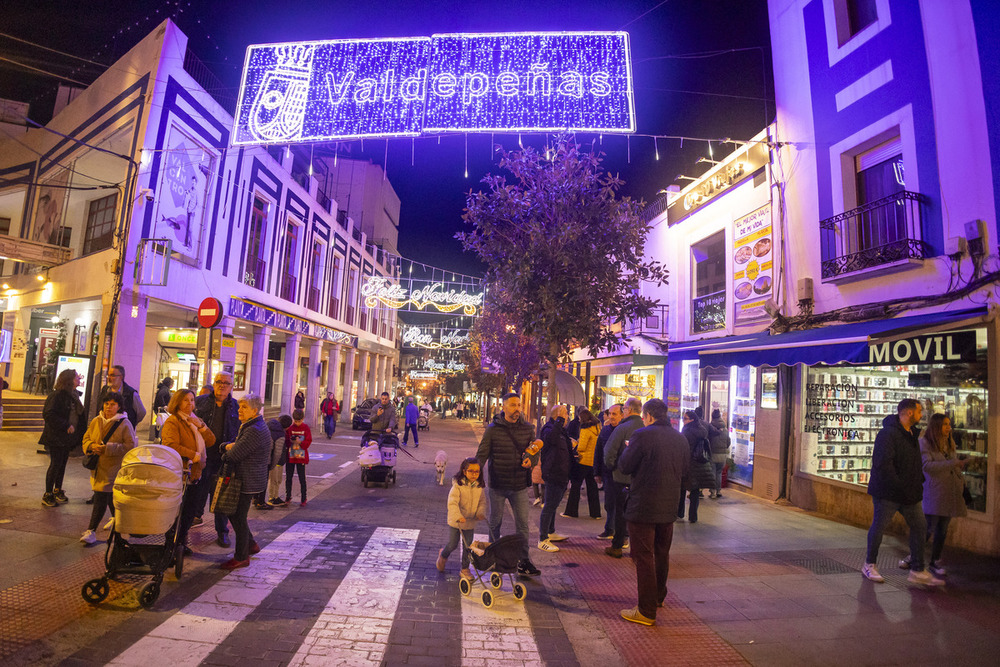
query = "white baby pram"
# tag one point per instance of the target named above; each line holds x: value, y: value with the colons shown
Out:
x: 148, y: 492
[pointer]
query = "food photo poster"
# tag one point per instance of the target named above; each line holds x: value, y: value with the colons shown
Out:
x: 753, y: 264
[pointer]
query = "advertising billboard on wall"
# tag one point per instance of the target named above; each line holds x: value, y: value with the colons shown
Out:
x: 347, y: 89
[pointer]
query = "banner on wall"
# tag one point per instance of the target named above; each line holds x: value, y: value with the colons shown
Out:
x: 753, y: 265
x: 182, y: 193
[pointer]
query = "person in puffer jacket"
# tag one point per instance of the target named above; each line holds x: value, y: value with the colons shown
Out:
x: 466, y: 505
x: 702, y: 475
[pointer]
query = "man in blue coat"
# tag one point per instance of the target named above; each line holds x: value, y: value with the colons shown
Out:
x: 657, y: 457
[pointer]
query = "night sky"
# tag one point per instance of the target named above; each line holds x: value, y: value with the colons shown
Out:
x: 680, y: 89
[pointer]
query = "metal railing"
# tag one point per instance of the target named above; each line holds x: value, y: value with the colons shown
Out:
x: 654, y: 325
x: 212, y: 85
x: 880, y: 232
x: 255, y: 272
x: 312, y: 299
x: 288, y: 285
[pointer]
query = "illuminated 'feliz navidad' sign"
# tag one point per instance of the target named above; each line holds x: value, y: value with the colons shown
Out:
x: 343, y: 89
x: 378, y: 289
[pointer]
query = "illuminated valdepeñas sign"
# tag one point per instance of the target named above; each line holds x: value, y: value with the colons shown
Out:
x: 344, y: 89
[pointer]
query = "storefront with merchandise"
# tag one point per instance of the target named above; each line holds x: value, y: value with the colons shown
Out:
x: 816, y: 400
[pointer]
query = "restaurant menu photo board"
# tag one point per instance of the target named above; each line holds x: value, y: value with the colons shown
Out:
x: 753, y: 265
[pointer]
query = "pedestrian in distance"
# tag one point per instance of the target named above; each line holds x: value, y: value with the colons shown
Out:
x: 134, y: 409
x: 65, y: 422
x: 537, y: 484
x: 944, y: 486
x: 657, y: 458
x: 188, y: 435
x: 556, y: 458
x: 897, y: 485
x: 160, y: 402
x: 220, y: 411
x: 602, y: 474
x: 411, y: 415
x: 583, y: 472
x: 509, y: 448
x: 466, y: 506
x: 631, y: 421
x: 110, y: 436
x: 720, y: 450
x: 298, y: 437
x: 300, y: 400
x: 249, y: 456
x: 279, y: 458
x: 702, y: 474
x: 329, y: 409
x: 206, y: 390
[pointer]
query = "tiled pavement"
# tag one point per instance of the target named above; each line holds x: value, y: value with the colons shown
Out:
x: 750, y: 583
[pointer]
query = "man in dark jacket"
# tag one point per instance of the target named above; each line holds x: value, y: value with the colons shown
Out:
x: 657, y: 458
x: 221, y: 412
x: 160, y: 402
x: 556, y: 460
x: 505, y: 447
x: 614, y: 417
x: 620, y: 480
x: 133, y: 406
x: 897, y: 485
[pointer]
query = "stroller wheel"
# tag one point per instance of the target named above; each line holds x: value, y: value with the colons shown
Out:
x: 496, y: 581
x: 148, y: 594
x: 465, y: 586
x: 520, y: 591
x: 96, y: 590
x: 178, y: 560
x: 487, y: 599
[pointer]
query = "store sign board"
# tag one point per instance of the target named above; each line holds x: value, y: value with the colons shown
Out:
x: 753, y: 265
x: 261, y: 315
x: 732, y: 172
x: 944, y: 348
x: 470, y: 82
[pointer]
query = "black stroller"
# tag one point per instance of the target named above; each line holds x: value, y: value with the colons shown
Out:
x: 424, y: 420
x: 497, y: 559
x: 147, y: 497
x: 378, y: 464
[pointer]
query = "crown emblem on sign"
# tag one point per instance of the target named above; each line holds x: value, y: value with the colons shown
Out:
x: 295, y: 57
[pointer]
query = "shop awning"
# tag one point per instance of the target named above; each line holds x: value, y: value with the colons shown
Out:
x: 843, y: 343
x: 569, y: 389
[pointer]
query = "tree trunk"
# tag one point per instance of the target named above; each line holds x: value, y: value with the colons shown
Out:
x: 553, y: 357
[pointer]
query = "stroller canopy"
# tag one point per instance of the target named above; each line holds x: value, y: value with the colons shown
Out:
x: 148, y: 490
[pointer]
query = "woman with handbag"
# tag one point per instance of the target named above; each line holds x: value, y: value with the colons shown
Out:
x: 583, y: 471
x: 189, y: 436
x: 106, y: 441
x: 64, y: 425
x: 244, y: 475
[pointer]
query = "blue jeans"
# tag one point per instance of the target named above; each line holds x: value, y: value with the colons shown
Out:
x: 330, y: 424
x: 553, y: 496
x: 406, y: 434
x: 453, y: 540
x: 519, y: 507
x: 718, y: 476
x: 914, y: 516
x: 937, y: 526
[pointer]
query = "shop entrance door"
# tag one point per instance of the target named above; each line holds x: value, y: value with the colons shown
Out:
x: 718, y: 397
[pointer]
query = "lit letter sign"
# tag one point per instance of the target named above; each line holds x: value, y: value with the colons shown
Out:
x: 378, y: 289
x: 344, y: 89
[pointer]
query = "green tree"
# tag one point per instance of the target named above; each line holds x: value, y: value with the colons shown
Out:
x: 564, y: 246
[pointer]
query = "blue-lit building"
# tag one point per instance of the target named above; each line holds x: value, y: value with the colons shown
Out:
x: 135, y: 176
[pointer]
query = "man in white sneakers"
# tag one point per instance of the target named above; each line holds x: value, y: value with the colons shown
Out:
x: 897, y: 485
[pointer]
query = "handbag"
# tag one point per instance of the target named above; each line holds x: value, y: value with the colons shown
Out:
x: 226, y: 496
x: 90, y: 460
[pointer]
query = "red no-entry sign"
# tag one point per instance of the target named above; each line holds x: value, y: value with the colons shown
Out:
x: 209, y: 313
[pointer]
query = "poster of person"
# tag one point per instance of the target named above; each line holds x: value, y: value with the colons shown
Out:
x: 182, y: 193
x: 753, y: 265
x: 49, y: 213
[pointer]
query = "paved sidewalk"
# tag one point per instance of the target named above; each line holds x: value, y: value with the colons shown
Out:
x: 351, y: 578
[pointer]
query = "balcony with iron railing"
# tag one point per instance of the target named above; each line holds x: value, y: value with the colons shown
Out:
x: 255, y: 272
x: 288, y: 285
x: 883, y: 234
x: 655, y: 324
x: 312, y: 299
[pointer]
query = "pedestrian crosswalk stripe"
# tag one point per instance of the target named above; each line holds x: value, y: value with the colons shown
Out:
x: 500, y: 633
x: 190, y: 635
x: 354, y: 627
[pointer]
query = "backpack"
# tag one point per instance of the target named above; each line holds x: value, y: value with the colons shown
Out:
x: 702, y: 451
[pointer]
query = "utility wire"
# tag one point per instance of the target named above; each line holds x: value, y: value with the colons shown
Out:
x: 46, y: 48
x: 41, y: 71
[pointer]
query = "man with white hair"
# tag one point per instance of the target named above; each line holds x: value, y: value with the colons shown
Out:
x: 221, y: 412
x: 616, y: 445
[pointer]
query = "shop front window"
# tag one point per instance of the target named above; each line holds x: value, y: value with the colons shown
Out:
x: 742, y: 423
x: 846, y: 405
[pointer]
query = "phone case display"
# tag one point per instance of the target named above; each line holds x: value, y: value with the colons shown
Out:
x: 845, y: 407
x: 742, y: 421
x: 689, y: 385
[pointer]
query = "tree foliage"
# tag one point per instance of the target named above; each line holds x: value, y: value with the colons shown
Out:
x: 566, y: 250
x: 511, y: 356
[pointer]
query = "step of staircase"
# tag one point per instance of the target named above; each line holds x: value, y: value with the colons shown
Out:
x: 23, y: 414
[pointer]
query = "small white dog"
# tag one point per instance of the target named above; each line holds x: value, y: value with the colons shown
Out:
x: 440, y: 463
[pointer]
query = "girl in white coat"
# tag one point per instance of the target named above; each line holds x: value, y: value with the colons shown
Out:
x: 466, y: 505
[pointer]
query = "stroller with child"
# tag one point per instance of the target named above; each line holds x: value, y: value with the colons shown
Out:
x: 424, y: 420
x: 378, y: 458
x: 147, y: 499
x: 497, y: 560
